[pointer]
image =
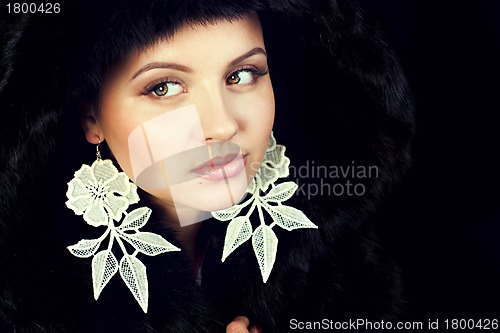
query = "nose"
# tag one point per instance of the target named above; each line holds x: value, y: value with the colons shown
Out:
x: 218, y: 119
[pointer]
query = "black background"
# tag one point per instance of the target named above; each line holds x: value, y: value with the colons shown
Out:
x: 443, y: 224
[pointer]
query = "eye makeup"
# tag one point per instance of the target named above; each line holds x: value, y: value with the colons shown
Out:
x: 163, y: 86
x: 256, y: 72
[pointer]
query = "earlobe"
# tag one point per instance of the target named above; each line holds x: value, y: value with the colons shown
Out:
x: 89, y: 123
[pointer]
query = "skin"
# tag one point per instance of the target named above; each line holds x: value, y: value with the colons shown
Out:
x: 220, y: 68
x: 241, y: 113
x: 240, y: 325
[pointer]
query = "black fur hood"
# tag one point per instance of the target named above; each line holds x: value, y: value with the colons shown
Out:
x: 346, y: 103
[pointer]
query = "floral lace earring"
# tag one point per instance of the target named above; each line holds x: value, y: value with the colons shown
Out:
x: 102, y: 195
x: 264, y: 240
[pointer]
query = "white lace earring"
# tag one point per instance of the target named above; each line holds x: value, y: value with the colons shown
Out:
x: 102, y: 195
x: 266, y: 196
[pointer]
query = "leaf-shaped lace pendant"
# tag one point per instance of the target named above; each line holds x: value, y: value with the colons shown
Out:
x: 264, y: 240
x: 102, y: 195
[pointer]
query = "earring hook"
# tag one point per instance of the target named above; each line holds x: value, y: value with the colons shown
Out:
x: 98, y: 152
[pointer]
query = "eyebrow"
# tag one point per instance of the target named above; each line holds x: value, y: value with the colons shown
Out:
x: 154, y: 65
x: 252, y: 52
x: 182, y: 68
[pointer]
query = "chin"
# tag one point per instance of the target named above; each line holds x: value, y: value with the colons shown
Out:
x: 207, y: 195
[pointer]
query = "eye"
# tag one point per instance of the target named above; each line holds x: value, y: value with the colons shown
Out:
x: 243, y: 76
x: 165, y: 89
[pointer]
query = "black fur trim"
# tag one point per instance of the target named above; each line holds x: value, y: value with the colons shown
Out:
x: 352, y: 104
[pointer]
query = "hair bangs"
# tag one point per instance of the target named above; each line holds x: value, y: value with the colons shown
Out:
x: 110, y: 34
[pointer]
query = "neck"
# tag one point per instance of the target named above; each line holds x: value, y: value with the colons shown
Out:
x: 187, y: 231
x: 188, y: 236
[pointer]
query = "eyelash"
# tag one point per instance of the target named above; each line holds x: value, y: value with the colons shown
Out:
x: 256, y: 72
x: 152, y: 86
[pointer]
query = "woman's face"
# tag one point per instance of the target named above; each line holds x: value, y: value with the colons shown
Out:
x: 195, y: 111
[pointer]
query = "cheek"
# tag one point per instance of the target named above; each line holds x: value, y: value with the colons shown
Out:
x: 259, y: 118
x: 256, y: 110
x: 118, y: 144
x: 116, y: 127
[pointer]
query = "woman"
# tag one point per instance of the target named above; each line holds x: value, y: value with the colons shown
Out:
x: 130, y: 75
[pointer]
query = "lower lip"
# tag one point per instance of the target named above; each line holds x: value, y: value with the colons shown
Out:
x: 225, y: 171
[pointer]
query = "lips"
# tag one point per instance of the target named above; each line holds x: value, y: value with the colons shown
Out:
x: 221, y: 167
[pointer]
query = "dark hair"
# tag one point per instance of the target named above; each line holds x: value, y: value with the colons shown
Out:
x: 118, y: 27
x: 65, y: 56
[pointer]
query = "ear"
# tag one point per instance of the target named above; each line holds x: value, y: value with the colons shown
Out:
x: 89, y: 123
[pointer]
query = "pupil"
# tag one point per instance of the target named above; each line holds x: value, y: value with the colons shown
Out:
x: 161, y: 90
x: 235, y: 78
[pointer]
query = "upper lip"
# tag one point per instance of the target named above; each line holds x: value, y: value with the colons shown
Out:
x: 218, y: 161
